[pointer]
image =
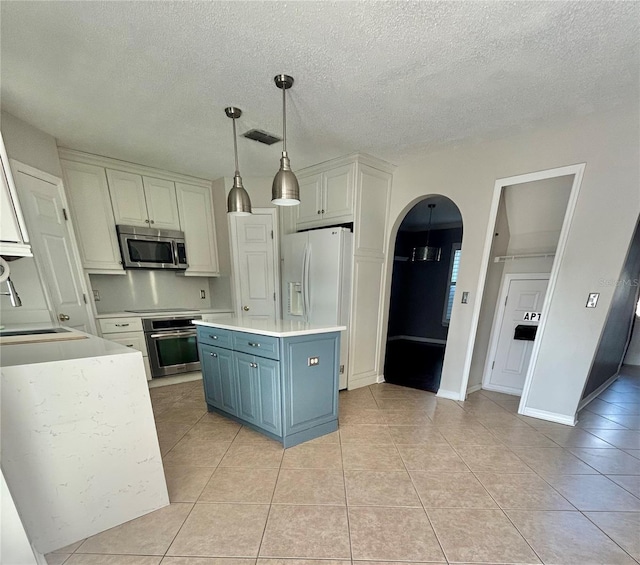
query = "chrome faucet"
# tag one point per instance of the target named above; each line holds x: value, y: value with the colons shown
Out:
x: 12, y: 294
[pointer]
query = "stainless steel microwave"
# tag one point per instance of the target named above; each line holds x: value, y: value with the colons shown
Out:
x: 148, y: 248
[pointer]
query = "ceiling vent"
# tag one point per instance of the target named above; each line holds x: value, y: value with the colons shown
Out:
x: 262, y: 136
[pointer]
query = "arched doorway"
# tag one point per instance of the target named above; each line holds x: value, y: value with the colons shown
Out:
x: 426, y: 259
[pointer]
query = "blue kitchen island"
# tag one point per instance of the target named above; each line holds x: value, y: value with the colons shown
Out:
x: 279, y: 377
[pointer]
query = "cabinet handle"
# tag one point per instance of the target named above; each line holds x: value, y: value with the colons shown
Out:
x: 253, y: 365
x: 130, y: 345
x: 146, y: 221
x: 152, y: 222
x: 121, y: 325
x: 213, y: 354
x: 213, y: 336
x: 318, y: 211
x: 254, y: 344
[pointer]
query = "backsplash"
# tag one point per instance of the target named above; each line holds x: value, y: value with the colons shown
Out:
x: 150, y: 289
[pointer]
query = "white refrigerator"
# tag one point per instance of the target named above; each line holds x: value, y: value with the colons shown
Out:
x: 316, y: 281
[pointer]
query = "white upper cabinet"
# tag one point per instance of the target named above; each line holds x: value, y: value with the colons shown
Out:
x: 143, y: 201
x: 310, y: 199
x: 337, y: 193
x: 127, y: 198
x: 161, y: 203
x: 196, y: 217
x: 326, y: 196
x: 93, y: 219
x: 14, y: 239
x: 104, y: 192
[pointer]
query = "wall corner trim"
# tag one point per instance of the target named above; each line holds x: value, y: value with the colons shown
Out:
x: 550, y: 416
x: 449, y: 394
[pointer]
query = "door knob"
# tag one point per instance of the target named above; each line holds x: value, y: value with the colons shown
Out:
x: 63, y: 317
x: 245, y: 308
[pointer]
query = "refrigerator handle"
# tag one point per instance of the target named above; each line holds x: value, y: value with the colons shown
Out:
x: 305, y: 283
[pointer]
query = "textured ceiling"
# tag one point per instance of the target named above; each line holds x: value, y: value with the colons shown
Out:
x: 148, y: 81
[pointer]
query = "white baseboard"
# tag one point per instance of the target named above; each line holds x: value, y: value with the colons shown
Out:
x: 604, y: 386
x: 417, y: 339
x: 449, y: 394
x: 364, y: 381
x: 474, y: 388
x: 503, y: 390
x: 176, y: 379
x: 380, y: 379
x: 550, y: 416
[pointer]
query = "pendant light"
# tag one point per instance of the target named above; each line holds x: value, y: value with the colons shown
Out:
x: 285, y: 190
x: 238, y: 201
x: 427, y: 253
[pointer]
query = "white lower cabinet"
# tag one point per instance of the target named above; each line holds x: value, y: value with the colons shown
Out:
x: 127, y: 332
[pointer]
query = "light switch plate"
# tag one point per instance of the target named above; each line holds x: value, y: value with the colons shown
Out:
x: 592, y: 301
x: 465, y: 298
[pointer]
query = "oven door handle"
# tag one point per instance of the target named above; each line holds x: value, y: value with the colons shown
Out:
x: 167, y: 335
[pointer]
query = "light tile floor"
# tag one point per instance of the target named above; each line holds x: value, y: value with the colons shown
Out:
x: 408, y: 477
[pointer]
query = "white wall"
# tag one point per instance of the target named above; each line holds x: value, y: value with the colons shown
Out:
x: 38, y: 149
x: 609, y: 200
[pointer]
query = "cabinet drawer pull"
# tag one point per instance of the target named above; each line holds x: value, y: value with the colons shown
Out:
x: 254, y: 344
x: 213, y: 354
x: 129, y: 344
x: 253, y: 364
x: 121, y: 325
x: 213, y: 336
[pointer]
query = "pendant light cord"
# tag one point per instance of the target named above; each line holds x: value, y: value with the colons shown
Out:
x: 429, y: 230
x: 235, y: 147
x: 284, y: 120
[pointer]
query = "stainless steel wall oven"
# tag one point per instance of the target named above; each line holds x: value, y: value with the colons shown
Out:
x: 172, y: 345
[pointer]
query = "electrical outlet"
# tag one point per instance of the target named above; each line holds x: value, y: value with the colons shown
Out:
x: 203, y: 294
x: 592, y: 300
x: 96, y: 295
x: 313, y: 361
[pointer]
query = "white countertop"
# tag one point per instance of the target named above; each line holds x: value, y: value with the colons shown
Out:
x: 195, y: 311
x: 13, y: 355
x: 274, y: 328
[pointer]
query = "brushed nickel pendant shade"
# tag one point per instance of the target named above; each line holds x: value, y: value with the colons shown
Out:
x: 427, y: 252
x: 238, y: 201
x: 285, y: 190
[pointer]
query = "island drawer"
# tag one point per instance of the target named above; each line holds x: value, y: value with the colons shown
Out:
x: 260, y: 345
x: 117, y: 325
x: 214, y: 336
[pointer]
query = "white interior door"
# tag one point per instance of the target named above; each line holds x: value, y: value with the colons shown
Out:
x: 510, y: 359
x: 43, y: 205
x: 255, y: 259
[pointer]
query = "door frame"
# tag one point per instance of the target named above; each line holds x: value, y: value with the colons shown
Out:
x: 235, y: 267
x: 17, y: 166
x: 498, y: 318
x: 577, y: 171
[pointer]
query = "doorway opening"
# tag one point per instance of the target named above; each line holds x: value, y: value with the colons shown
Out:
x: 425, y: 268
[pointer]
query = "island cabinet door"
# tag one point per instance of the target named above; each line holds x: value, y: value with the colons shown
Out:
x: 217, y: 375
x: 310, y: 377
x: 269, y: 398
x: 247, y: 379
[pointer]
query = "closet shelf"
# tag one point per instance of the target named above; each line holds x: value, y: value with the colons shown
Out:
x: 505, y: 258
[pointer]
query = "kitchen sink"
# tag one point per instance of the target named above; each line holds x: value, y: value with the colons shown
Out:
x: 8, y: 333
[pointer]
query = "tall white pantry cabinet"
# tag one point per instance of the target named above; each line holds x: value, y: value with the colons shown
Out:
x: 357, y: 189
x: 104, y: 192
